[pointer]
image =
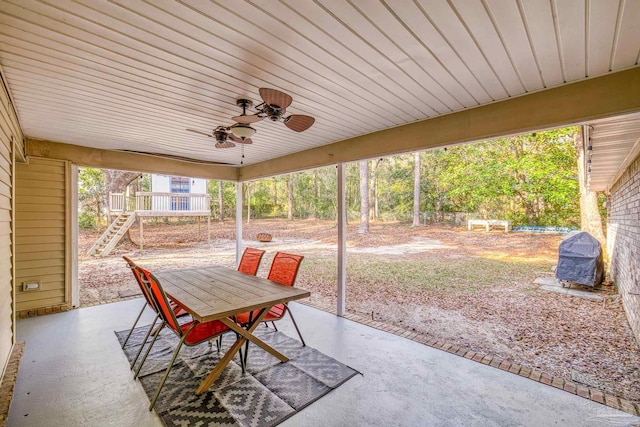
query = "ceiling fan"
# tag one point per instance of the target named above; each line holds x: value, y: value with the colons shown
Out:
x: 274, y: 106
x: 224, y: 137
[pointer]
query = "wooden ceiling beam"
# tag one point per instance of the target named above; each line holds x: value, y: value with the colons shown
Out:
x: 109, y: 159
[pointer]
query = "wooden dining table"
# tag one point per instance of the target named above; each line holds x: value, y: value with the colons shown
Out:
x: 218, y: 293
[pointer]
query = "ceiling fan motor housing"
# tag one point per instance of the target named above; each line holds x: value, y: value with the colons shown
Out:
x: 220, y: 134
x: 274, y: 112
x: 244, y: 104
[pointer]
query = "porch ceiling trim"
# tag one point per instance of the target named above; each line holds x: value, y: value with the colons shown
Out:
x: 108, y: 159
x: 574, y: 103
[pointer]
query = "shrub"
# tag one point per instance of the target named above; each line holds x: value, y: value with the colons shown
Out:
x: 87, y: 220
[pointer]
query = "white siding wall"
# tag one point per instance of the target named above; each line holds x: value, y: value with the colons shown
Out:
x: 160, y: 183
x: 198, y: 185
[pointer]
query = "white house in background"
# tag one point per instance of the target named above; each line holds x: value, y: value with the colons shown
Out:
x: 179, y: 185
x: 169, y: 196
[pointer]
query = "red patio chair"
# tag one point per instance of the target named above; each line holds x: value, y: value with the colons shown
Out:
x: 249, y: 264
x: 148, y: 303
x: 190, y: 334
x: 284, y: 270
x: 250, y: 261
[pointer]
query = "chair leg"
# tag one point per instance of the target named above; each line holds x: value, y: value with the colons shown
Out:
x: 246, y: 355
x: 134, y: 325
x: 242, y: 364
x: 274, y: 325
x: 144, y: 341
x: 144, y: 359
x: 296, y: 325
x: 166, y: 374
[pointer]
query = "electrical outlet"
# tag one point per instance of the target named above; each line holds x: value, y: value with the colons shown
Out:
x: 30, y: 286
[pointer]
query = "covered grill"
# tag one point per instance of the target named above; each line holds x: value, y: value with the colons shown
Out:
x: 580, y: 260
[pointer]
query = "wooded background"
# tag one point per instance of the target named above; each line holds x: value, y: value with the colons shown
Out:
x: 530, y: 179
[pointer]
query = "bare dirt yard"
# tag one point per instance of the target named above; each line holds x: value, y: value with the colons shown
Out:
x: 470, y: 288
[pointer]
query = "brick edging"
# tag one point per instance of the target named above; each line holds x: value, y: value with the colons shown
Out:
x: 42, y: 310
x: 572, y: 387
x: 61, y: 308
x: 9, y: 381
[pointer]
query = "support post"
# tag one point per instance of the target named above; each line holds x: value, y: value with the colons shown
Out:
x: 198, y: 226
x: 141, y: 219
x: 75, y: 287
x: 209, y: 228
x: 342, y: 239
x: 238, y: 222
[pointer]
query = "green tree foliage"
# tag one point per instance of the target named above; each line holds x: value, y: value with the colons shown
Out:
x: 228, y: 196
x: 529, y: 179
x: 91, y: 190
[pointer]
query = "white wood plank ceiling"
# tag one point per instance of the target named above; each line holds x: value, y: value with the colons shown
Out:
x: 133, y: 75
x: 615, y: 143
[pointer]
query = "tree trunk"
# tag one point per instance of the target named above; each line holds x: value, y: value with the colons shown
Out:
x: 116, y: 182
x: 373, y: 195
x: 315, y: 194
x: 416, y: 189
x: 289, y: 197
x: 590, y: 218
x: 275, y: 193
x: 99, y: 209
x: 220, y: 202
x: 248, y: 203
x: 364, y: 197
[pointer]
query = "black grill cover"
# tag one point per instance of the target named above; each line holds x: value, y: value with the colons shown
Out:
x: 580, y: 260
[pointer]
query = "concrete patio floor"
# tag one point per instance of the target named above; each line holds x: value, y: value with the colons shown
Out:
x: 73, y: 373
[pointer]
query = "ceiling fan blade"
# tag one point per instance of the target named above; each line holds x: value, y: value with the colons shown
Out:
x: 247, y: 119
x: 234, y: 138
x: 226, y: 144
x: 274, y: 97
x: 200, y: 132
x: 298, y: 122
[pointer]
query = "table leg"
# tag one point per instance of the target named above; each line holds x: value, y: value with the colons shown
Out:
x: 257, y: 341
x: 230, y: 354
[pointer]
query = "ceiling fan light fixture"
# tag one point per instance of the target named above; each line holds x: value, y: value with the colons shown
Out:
x: 242, y: 131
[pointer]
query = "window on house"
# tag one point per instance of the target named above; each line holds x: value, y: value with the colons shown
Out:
x: 180, y: 184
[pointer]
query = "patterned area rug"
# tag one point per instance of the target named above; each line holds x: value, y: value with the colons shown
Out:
x: 267, y: 394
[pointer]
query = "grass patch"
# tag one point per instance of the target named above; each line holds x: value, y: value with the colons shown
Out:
x: 460, y: 275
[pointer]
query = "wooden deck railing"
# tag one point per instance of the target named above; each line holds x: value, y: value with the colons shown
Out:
x: 161, y: 204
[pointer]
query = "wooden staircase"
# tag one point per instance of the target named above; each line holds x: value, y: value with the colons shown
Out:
x: 113, y: 234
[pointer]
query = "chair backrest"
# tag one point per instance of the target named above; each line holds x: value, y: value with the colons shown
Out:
x: 250, y: 261
x: 284, y: 268
x: 161, y: 301
x: 137, y: 274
